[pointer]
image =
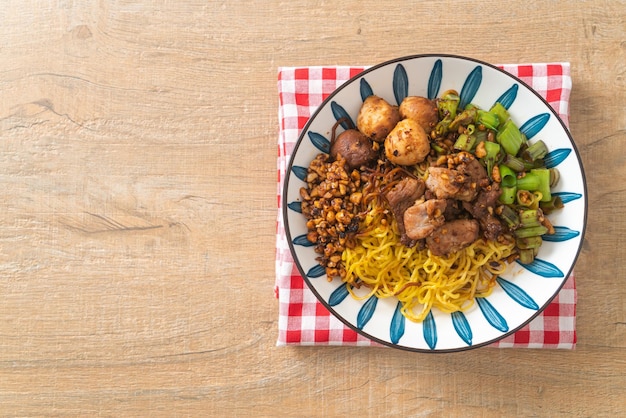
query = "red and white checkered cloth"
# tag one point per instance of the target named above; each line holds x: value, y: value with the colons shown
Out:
x: 302, y: 319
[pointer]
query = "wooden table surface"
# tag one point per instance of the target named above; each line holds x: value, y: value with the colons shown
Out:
x: 138, y: 189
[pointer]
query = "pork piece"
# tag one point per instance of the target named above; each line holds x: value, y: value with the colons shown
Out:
x: 401, y: 197
x: 448, y: 183
x: 421, y: 219
x: 461, y: 179
x: 472, y: 168
x: 453, y: 236
x: 482, y: 209
x: 453, y: 210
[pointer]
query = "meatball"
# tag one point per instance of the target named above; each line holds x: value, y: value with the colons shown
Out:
x: 354, y: 147
x: 421, y: 110
x: 377, y: 118
x: 407, y: 143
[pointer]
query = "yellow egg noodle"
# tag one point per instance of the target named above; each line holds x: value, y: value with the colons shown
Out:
x: 417, y: 278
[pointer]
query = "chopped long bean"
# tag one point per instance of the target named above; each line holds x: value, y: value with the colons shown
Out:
x: 531, y: 217
x: 529, y: 242
x: 447, y: 108
x: 554, y: 204
x: 488, y: 119
x: 555, y: 176
x: 531, y: 231
x: 508, y: 176
x: 510, y: 138
x: 527, y: 256
x: 508, y: 195
x: 514, y: 163
x: 465, y: 142
x: 509, y: 216
x: 493, y: 155
x: 500, y: 111
x: 535, y: 151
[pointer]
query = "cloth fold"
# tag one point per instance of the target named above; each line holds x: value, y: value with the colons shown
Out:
x: 302, y: 319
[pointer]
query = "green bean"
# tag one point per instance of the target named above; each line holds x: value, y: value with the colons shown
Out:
x: 447, y: 108
x: 509, y: 216
x: 501, y: 112
x: 465, y: 142
x: 527, y: 199
x: 510, y: 138
x: 526, y: 256
x: 529, y: 181
x: 514, y: 163
x: 508, y: 195
x: 535, y: 151
x: 538, y: 179
x: 554, y: 204
x: 508, y: 176
x: 466, y: 116
x: 555, y: 176
x: 529, y: 242
x: 530, y: 217
x: 488, y: 119
x: 492, y: 157
x: 531, y: 231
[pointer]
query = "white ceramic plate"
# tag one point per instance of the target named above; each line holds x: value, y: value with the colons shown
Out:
x: 523, y: 291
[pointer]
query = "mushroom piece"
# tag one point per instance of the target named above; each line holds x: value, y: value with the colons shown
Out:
x: 354, y: 147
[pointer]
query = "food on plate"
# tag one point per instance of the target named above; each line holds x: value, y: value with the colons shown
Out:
x: 377, y: 118
x: 421, y: 110
x: 428, y: 202
x: 356, y: 148
x: 407, y: 143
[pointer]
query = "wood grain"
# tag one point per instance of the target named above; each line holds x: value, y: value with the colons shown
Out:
x: 138, y: 190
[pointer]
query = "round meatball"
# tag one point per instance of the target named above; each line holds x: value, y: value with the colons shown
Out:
x: 354, y: 147
x: 377, y: 118
x: 407, y: 143
x: 421, y: 110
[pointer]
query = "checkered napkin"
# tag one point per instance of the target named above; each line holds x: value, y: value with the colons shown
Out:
x: 302, y: 319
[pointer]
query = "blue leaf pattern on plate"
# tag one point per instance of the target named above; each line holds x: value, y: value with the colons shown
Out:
x: 470, y: 87
x: 462, y: 327
x: 567, y: 197
x: 366, y: 312
x: 338, y: 295
x: 299, y: 172
x: 295, y: 206
x: 492, y: 315
x: 340, y: 114
x: 542, y: 268
x: 434, y: 81
x: 365, y: 89
x: 316, y: 271
x: 396, y: 329
x: 320, y: 142
x: 533, y: 125
x: 561, y: 233
x: 508, y: 97
x: 400, y: 83
x: 430, y: 330
x: 556, y: 157
x: 302, y: 240
x: 517, y: 294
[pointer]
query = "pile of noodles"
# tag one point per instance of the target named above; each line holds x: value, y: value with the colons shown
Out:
x: 419, y: 279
